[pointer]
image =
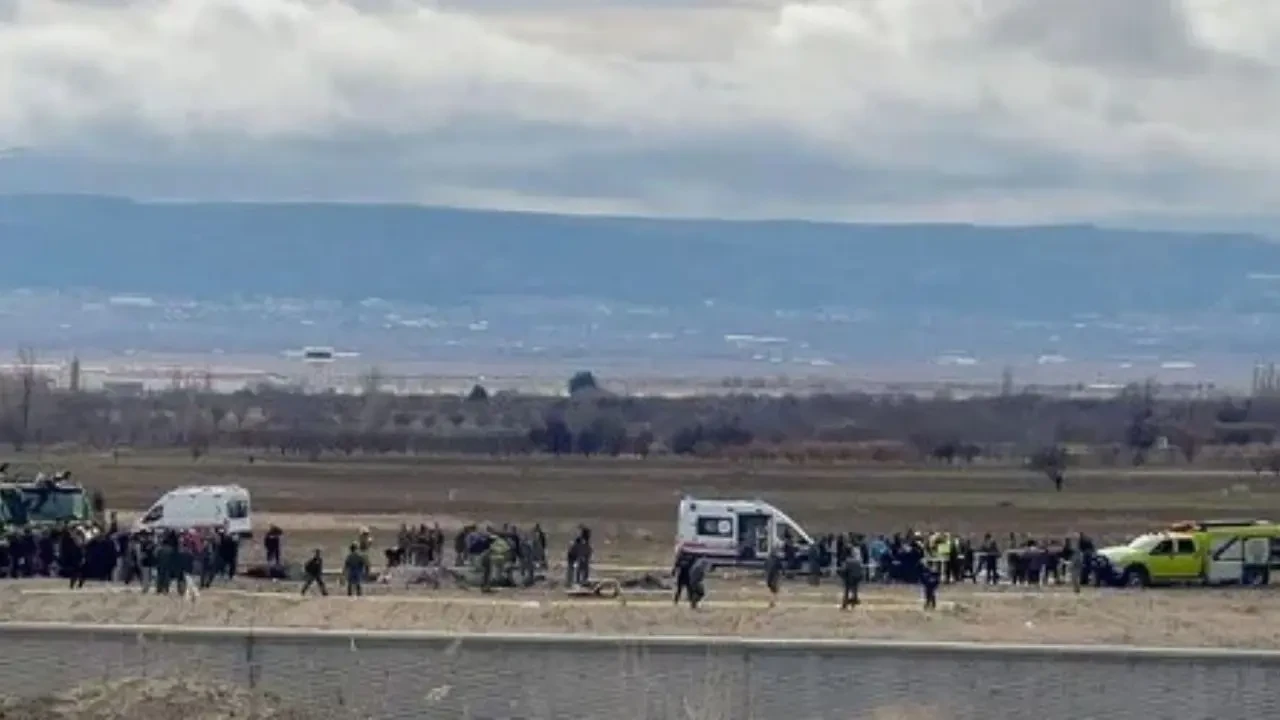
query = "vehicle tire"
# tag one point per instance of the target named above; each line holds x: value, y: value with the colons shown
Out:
x: 1255, y: 578
x: 1136, y: 576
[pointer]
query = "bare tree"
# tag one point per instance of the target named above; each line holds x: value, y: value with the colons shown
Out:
x: 20, y: 395
x: 1052, y: 461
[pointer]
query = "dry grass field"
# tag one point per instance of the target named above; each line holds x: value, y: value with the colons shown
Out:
x: 630, y: 504
x: 176, y: 698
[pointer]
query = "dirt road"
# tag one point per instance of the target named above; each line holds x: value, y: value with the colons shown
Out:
x: 1187, y: 618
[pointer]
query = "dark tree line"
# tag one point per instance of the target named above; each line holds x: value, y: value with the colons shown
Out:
x: 1135, y: 427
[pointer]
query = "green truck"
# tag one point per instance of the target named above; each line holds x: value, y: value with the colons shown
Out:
x: 44, y: 501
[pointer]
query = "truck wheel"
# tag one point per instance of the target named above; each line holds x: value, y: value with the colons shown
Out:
x: 1136, y: 576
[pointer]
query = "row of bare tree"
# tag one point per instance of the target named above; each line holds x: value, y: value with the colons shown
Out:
x: 1134, y: 426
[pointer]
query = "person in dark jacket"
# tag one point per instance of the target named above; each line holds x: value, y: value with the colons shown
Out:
x: 184, y: 562
x: 929, y: 583
x: 773, y: 575
x: 210, y: 560
x: 313, y: 570
x: 851, y: 574
x: 697, y: 582
x: 271, y: 543
x: 164, y: 559
x: 229, y: 553
x: 72, y: 558
x: 354, y: 569
x: 683, y: 564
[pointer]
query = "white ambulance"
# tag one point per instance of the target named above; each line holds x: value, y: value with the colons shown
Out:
x: 735, y: 532
x: 200, y: 506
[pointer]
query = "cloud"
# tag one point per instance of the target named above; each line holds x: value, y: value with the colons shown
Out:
x: 984, y: 110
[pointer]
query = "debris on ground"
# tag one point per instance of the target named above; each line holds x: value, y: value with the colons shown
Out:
x: 411, y: 575
x: 607, y: 589
x: 264, y: 571
x: 647, y: 581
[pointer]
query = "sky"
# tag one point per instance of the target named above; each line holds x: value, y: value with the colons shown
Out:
x: 1162, y: 111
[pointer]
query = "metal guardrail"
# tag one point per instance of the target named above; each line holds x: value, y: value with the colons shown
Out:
x: 415, y: 675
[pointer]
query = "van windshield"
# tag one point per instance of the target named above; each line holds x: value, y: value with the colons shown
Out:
x: 786, y: 531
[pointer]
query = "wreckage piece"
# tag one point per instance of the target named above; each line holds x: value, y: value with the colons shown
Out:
x: 605, y: 589
x: 469, y: 576
x: 411, y: 575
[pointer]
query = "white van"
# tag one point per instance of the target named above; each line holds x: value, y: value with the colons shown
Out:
x: 200, y: 506
x: 735, y: 532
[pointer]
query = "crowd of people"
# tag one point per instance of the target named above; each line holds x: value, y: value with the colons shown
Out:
x: 511, y: 557
x: 78, y: 552
x: 503, y: 556
x: 905, y: 557
x: 925, y: 559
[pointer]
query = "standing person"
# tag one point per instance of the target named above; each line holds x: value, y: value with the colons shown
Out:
x: 684, y: 563
x: 72, y: 559
x: 164, y: 559
x: 1084, y: 544
x: 697, y: 582
x: 528, y: 560
x: 354, y: 569
x: 851, y: 574
x: 540, y: 546
x: 772, y: 575
x: 314, y: 572
x: 929, y: 583
x: 146, y: 559
x: 990, y: 554
x: 271, y: 544
x: 183, y: 564
x: 228, y: 552
x: 584, y: 556
x: 210, y: 557
x: 122, y: 544
x: 571, y: 562
x: 131, y: 562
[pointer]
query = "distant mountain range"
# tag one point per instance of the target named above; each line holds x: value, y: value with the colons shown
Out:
x: 445, y: 256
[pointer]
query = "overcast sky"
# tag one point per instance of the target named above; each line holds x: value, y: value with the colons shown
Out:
x: 981, y: 110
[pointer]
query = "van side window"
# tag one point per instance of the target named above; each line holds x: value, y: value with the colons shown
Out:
x: 237, y: 509
x: 715, y: 526
x: 1165, y: 547
x: 1186, y: 546
x: 155, y: 514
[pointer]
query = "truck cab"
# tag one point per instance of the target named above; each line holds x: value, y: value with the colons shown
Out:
x: 1157, y: 557
x: 1206, y: 552
x: 50, y: 502
x: 735, y: 533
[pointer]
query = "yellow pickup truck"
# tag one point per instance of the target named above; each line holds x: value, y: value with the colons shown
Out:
x: 1207, y: 552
